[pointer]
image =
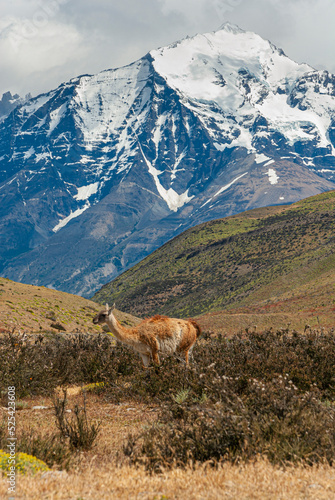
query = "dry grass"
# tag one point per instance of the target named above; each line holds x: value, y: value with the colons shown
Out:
x: 257, y: 481
x: 117, y: 420
x: 34, y: 309
x: 96, y: 475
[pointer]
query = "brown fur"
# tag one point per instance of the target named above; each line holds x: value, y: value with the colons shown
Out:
x: 196, y: 326
x: 156, y: 318
x: 154, y: 335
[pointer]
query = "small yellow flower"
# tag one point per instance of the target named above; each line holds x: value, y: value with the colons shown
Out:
x: 23, y: 463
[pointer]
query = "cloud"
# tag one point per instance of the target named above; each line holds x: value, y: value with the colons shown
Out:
x: 29, y: 58
x: 46, y: 42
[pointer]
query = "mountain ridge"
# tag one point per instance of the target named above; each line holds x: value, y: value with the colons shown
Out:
x: 104, y: 169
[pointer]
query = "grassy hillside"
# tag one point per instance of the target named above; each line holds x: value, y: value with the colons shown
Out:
x: 277, y: 260
x: 35, y: 309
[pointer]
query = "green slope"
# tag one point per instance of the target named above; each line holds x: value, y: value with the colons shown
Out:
x: 36, y: 309
x: 251, y: 258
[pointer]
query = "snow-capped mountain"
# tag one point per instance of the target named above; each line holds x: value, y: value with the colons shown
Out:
x: 99, y: 172
x: 8, y: 102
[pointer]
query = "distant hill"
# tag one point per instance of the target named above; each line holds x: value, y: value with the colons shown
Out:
x: 277, y: 260
x: 33, y: 309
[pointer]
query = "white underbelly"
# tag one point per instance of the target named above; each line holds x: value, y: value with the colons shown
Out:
x: 141, y: 348
x: 169, y: 345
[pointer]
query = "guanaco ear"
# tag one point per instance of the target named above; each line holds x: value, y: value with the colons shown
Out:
x: 107, y: 308
x: 113, y: 306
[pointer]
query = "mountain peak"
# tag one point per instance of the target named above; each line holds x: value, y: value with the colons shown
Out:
x: 230, y: 28
x: 8, y: 102
x: 209, y: 67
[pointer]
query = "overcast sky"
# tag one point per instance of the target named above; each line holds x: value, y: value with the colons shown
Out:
x: 46, y: 42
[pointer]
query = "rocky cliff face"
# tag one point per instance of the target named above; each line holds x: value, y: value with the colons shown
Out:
x: 101, y: 171
x: 8, y: 102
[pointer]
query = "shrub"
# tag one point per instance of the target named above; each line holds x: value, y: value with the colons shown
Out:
x: 24, y: 463
x: 50, y: 448
x: 269, y: 418
x: 52, y: 360
x: 305, y: 359
x: 77, y: 430
x: 262, y: 393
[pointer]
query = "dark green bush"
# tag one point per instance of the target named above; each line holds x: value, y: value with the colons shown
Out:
x: 77, y: 358
x: 38, y: 367
x: 270, y: 418
x: 263, y: 393
x: 304, y: 359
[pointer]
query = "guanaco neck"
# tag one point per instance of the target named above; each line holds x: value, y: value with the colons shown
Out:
x: 121, y: 333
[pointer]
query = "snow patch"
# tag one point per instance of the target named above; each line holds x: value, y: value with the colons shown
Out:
x: 157, y: 133
x: 261, y: 158
x: 173, y: 200
x: 36, y: 103
x: 73, y: 215
x: 85, y: 192
x: 219, y: 147
x: 102, y: 103
x: 29, y: 153
x: 56, y: 116
x: 308, y: 162
x: 224, y: 188
x: 273, y: 177
x: 42, y: 156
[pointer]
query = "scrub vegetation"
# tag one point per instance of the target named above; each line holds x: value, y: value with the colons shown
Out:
x: 258, y: 400
x: 274, y: 260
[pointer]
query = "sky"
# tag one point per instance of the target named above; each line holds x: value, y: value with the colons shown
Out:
x: 46, y: 42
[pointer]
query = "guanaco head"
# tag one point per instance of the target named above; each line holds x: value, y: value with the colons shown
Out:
x: 103, y: 315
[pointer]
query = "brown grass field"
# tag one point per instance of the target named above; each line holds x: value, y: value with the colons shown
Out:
x: 34, y: 309
x: 96, y: 475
